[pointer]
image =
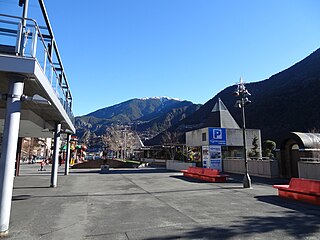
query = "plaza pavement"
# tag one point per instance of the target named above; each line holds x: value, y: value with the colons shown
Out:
x: 151, y: 204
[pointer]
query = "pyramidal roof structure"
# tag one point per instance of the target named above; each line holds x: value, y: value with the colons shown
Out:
x: 220, y: 117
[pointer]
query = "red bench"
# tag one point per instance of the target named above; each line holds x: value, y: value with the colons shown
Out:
x: 206, y: 174
x: 306, y: 190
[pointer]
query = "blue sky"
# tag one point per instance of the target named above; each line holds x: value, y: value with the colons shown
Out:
x: 115, y: 50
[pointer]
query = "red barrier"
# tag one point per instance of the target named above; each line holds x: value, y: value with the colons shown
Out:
x: 301, y: 189
x: 206, y: 174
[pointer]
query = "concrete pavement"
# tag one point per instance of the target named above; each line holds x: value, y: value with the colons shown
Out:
x: 153, y: 204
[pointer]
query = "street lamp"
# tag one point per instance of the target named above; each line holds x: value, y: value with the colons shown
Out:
x: 243, y: 94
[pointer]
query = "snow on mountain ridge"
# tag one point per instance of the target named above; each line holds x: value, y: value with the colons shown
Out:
x: 160, y: 98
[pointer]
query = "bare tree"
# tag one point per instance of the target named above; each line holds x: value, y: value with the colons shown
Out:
x: 120, y: 137
x: 171, y: 140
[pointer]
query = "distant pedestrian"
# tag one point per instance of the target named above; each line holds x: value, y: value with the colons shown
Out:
x: 42, y: 165
x: 33, y: 161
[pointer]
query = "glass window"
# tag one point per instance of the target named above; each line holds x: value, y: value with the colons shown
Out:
x: 204, y: 136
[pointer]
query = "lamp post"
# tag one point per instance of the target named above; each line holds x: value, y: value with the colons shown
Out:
x: 243, y: 93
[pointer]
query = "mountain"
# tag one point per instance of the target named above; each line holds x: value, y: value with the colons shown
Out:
x: 134, y: 109
x: 287, y: 101
x: 147, y: 116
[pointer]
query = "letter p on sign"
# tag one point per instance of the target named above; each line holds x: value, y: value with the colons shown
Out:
x: 217, y: 134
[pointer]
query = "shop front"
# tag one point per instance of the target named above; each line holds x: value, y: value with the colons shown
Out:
x: 216, y: 144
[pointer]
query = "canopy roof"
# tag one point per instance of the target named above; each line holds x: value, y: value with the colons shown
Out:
x: 304, y: 140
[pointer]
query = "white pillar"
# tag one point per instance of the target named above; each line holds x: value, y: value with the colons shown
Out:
x: 55, y: 159
x: 66, y: 164
x: 8, y: 152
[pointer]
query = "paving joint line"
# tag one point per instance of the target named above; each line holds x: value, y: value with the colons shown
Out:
x: 154, y: 196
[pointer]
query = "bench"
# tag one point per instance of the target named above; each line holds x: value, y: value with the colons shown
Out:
x: 301, y: 189
x: 205, y: 174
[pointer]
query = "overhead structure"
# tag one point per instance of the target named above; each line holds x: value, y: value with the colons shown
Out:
x: 36, y: 100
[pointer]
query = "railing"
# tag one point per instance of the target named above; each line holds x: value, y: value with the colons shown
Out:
x: 315, y: 160
x: 23, y: 37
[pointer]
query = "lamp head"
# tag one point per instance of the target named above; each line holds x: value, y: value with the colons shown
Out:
x: 246, y: 100
x: 246, y: 93
x: 36, y: 99
x: 238, y: 104
x: 40, y: 100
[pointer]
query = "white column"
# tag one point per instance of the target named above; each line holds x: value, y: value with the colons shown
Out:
x: 66, y: 164
x: 55, y: 159
x: 8, y: 152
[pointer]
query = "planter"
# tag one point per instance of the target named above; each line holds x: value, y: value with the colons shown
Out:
x: 178, y: 165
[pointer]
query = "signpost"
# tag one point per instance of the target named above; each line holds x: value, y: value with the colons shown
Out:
x: 217, y: 138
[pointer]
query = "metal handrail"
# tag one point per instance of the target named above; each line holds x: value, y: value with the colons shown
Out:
x: 309, y: 159
x: 63, y: 83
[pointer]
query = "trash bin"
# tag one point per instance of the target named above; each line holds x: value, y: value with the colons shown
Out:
x: 104, y: 169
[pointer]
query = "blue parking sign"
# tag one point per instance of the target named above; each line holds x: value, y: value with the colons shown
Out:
x: 217, y: 136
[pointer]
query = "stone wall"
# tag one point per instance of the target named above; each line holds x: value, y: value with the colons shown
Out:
x: 261, y: 168
x: 309, y: 169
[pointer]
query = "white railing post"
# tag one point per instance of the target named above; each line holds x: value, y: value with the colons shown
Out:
x: 19, y: 37
x: 34, y: 42
x: 51, y: 73
x: 56, y: 87
x: 45, y: 61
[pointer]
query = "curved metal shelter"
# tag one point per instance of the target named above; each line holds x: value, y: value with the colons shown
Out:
x: 304, y: 140
x: 293, y: 147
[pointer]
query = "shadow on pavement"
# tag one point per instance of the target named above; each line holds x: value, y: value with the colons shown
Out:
x: 290, y: 204
x: 131, y: 193
x: 194, y: 180
x: 258, y: 180
x: 138, y: 171
x: 299, y: 225
x: 21, y: 197
x: 31, y: 187
x: 84, y: 171
x: 187, y: 179
x: 122, y: 171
